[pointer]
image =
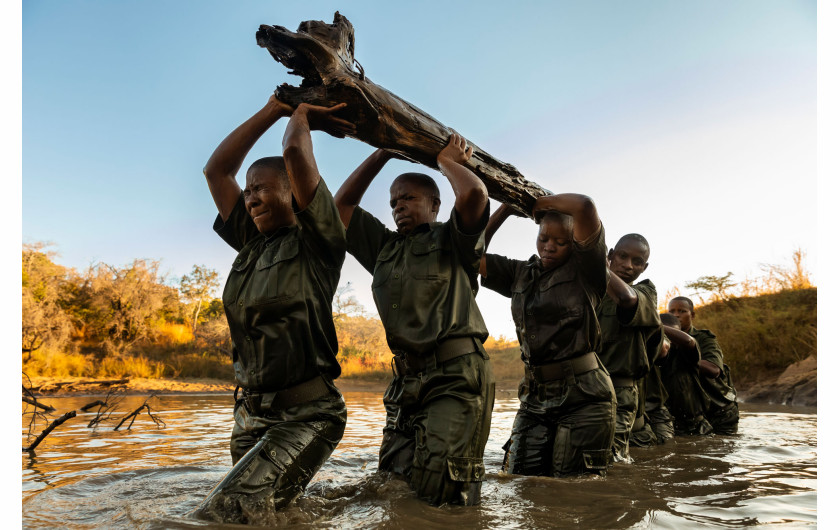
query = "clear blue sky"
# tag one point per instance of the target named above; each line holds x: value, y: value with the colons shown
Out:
x: 693, y: 123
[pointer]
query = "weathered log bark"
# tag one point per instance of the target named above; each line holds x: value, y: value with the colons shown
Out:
x: 323, y: 55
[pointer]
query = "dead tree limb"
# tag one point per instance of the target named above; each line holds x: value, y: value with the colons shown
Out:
x: 34, y: 402
x: 322, y: 54
x: 31, y: 447
x: 133, y: 415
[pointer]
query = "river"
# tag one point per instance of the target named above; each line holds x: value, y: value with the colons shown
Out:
x: 152, y: 478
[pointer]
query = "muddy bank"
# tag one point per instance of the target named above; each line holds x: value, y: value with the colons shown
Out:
x: 796, y: 386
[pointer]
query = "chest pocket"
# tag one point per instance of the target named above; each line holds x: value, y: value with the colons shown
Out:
x: 278, y: 273
x: 431, y: 259
x: 518, y: 298
x: 384, y: 264
x: 239, y: 273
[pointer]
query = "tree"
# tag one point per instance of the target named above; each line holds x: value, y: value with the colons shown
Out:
x: 783, y: 278
x: 44, y: 292
x: 122, y: 305
x: 717, y: 285
x: 196, y: 286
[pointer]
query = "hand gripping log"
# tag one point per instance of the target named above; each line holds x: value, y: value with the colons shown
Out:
x: 322, y: 54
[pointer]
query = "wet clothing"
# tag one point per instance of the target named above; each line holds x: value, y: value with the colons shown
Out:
x: 625, y: 352
x: 278, y: 296
x: 436, y: 427
x: 276, y: 452
x: 566, y: 419
x: 424, y: 283
x: 686, y: 401
x: 723, y: 408
x: 439, y: 403
x: 278, y: 303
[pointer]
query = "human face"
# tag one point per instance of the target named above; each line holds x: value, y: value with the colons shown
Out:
x: 681, y: 310
x: 411, y: 205
x: 629, y: 259
x: 554, y: 243
x: 268, y: 203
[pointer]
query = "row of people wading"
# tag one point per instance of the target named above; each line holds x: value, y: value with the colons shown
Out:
x: 599, y: 361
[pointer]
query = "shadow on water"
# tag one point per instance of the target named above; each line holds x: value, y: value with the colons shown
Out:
x: 150, y: 478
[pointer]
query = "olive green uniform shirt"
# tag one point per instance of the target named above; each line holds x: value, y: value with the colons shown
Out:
x: 720, y: 389
x: 424, y: 282
x: 554, y: 311
x: 630, y: 339
x: 278, y: 296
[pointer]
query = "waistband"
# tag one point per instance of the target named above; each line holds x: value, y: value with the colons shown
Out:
x: 286, y: 398
x: 622, y: 381
x: 563, y: 369
x: 408, y: 364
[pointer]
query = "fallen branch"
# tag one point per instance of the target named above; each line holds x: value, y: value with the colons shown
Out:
x: 49, y: 429
x: 133, y: 416
x: 57, y: 422
x: 323, y: 55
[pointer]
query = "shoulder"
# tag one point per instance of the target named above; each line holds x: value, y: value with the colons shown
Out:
x: 702, y: 334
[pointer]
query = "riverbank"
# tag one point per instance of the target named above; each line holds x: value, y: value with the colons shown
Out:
x: 82, y: 386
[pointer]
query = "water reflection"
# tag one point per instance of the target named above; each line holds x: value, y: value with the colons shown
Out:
x: 150, y: 478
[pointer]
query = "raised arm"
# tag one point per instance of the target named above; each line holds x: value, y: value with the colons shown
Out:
x: 623, y: 295
x: 580, y: 207
x: 226, y: 160
x: 349, y: 195
x: 496, y: 219
x: 470, y: 192
x: 680, y: 338
x: 297, y: 146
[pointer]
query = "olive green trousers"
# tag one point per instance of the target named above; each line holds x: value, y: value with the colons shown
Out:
x: 436, y: 427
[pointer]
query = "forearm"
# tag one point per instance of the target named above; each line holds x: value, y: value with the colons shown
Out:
x: 708, y: 369
x: 580, y: 207
x: 623, y: 295
x: 470, y: 193
x: 679, y: 337
x: 497, y: 218
x: 223, y: 165
x: 350, y: 194
x: 300, y: 158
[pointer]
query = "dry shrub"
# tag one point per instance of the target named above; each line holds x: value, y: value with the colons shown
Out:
x: 129, y: 366
x: 171, y: 334
x: 49, y: 362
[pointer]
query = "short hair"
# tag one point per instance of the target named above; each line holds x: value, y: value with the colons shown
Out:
x: 633, y: 237
x: 557, y: 217
x: 669, y: 320
x: 423, y: 180
x: 684, y: 299
x: 277, y: 164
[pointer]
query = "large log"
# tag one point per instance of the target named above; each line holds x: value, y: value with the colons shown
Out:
x: 322, y: 54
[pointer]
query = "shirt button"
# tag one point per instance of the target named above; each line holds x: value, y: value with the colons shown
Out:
x: 252, y: 372
x: 396, y: 276
x: 433, y: 245
x: 393, y: 306
x: 529, y: 313
x: 248, y: 339
x: 238, y: 260
x: 241, y: 302
x: 533, y: 337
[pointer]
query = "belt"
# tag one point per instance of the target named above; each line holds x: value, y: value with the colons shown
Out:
x: 407, y: 363
x: 622, y: 381
x: 563, y: 369
x: 286, y: 398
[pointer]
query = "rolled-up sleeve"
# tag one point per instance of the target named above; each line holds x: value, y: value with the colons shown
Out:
x: 239, y: 228
x: 501, y: 273
x: 322, y: 228
x: 366, y: 235
x: 469, y: 247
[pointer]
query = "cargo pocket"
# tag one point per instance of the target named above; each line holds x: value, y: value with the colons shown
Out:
x: 597, y: 460
x: 465, y: 469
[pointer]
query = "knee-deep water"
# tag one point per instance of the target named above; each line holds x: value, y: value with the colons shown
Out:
x: 153, y: 478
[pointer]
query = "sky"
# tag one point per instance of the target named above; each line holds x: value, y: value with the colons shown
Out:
x: 692, y: 123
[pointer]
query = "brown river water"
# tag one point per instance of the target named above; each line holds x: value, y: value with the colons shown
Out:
x: 153, y: 478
